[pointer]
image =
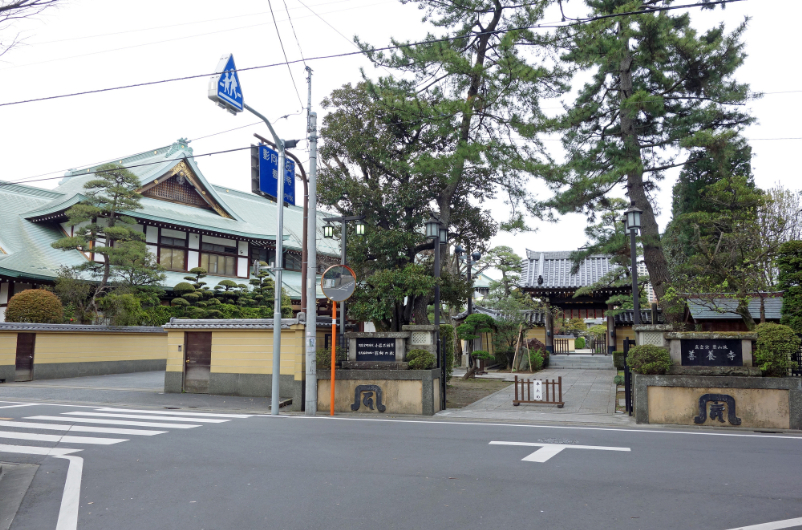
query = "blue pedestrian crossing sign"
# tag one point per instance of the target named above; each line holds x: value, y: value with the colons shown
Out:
x: 225, y: 88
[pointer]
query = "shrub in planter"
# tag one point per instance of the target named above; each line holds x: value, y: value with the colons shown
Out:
x: 618, y: 380
x: 35, y: 305
x: 775, y: 345
x: 579, y: 343
x: 649, y: 360
x: 420, y: 360
x: 618, y: 359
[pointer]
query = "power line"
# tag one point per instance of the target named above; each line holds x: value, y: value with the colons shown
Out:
x: 34, y: 179
x: 281, y: 42
x: 293, y: 32
x: 360, y: 52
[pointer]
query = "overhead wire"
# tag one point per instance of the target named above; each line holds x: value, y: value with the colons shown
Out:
x: 293, y: 32
x: 25, y: 181
x: 281, y: 42
x: 349, y: 54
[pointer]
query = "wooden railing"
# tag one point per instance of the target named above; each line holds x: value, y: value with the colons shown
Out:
x: 537, y: 391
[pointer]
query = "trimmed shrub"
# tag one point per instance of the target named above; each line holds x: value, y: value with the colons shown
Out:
x: 649, y: 360
x: 421, y: 360
x: 579, y: 343
x: 536, y: 345
x: 35, y: 305
x: 618, y: 359
x: 447, y: 338
x: 483, y: 354
x: 323, y: 359
x: 775, y: 345
x: 618, y: 380
x: 535, y: 360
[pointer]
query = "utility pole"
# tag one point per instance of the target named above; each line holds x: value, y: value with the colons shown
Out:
x: 310, y: 406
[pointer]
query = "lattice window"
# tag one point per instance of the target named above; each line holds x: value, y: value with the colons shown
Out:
x: 421, y: 338
x: 173, y: 190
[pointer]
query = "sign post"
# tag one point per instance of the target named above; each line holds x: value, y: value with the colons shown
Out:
x: 225, y: 89
x: 338, y: 283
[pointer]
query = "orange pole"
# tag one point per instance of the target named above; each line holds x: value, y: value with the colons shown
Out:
x: 333, y: 350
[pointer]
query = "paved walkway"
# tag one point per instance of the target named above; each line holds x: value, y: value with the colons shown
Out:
x: 589, y: 397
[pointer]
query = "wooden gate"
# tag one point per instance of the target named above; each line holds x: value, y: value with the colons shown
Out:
x: 526, y: 392
x: 24, y: 363
x: 197, y: 362
x: 562, y: 345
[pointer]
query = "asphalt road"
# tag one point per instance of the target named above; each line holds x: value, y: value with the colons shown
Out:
x: 293, y: 472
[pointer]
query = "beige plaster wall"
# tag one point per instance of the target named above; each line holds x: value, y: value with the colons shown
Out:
x: 8, y: 349
x: 59, y: 347
x: 756, y: 407
x: 400, y: 397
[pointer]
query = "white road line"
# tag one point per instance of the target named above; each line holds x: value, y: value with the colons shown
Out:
x: 55, y: 404
x: 59, y: 438
x: 547, y: 451
x: 140, y: 417
x: 115, y: 422
x: 176, y: 413
x: 31, y: 450
x: 776, y: 525
x: 540, y: 426
x: 71, y: 498
x: 15, y: 406
x: 78, y: 428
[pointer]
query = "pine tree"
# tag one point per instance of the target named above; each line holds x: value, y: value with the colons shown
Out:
x: 102, y: 228
x: 660, y: 92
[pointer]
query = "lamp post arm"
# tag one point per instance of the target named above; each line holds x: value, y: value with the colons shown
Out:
x: 256, y: 113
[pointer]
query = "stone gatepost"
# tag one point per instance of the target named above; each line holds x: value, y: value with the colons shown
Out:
x: 653, y: 334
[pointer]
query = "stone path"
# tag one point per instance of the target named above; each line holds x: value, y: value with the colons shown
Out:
x: 589, y: 397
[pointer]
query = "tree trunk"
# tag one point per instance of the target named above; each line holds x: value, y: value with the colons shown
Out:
x: 743, y: 310
x: 653, y: 255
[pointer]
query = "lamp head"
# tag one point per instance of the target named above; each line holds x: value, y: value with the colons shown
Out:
x: 458, y: 250
x: 328, y: 231
x: 476, y: 256
x: 633, y: 218
x: 360, y: 227
x: 433, y: 228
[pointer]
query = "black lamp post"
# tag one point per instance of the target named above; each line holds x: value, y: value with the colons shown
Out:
x: 632, y: 221
x: 328, y: 233
x: 439, y: 236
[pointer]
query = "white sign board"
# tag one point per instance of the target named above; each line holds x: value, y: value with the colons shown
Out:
x: 537, y: 390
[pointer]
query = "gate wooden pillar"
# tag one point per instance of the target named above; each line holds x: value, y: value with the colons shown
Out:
x: 549, y: 322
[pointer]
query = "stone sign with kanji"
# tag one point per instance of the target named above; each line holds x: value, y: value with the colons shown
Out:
x: 711, y: 352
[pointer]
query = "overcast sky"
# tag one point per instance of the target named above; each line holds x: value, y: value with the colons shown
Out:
x: 92, y: 44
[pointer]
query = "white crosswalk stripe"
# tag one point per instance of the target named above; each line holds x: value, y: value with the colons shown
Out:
x: 78, y: 428
x: 142, y: 417
x: 177, y: 413
x: 70, y: 426
x: 89, y: 440
x: 115, y: 422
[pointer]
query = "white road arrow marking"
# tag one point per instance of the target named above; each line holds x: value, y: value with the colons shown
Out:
x: 547, y: 451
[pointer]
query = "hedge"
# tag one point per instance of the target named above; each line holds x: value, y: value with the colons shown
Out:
x: 775, y: 345
x: 649, y: 360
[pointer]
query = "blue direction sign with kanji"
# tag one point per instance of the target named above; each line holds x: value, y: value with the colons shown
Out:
x: 224, y: 87
x: 268, y: 174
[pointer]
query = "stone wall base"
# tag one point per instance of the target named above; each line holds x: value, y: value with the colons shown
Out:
x: 756, y: 402
x: 65, y: 370
x: 402, y: 391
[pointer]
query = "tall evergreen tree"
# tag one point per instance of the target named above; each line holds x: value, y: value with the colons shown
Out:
x: 478, y: 88
x: 102, y: 228
x: 660, y: 91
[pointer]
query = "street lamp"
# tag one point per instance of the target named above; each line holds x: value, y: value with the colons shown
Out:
x: 632, y: 223
x: 328, y: 233
x: 439, y: 236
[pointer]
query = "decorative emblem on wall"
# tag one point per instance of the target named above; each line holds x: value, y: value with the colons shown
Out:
x: 717, y: 409
x: 367, y: 392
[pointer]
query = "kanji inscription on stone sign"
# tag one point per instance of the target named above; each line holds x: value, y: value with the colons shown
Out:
x: 711, y: 352
x: 375, y: 349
